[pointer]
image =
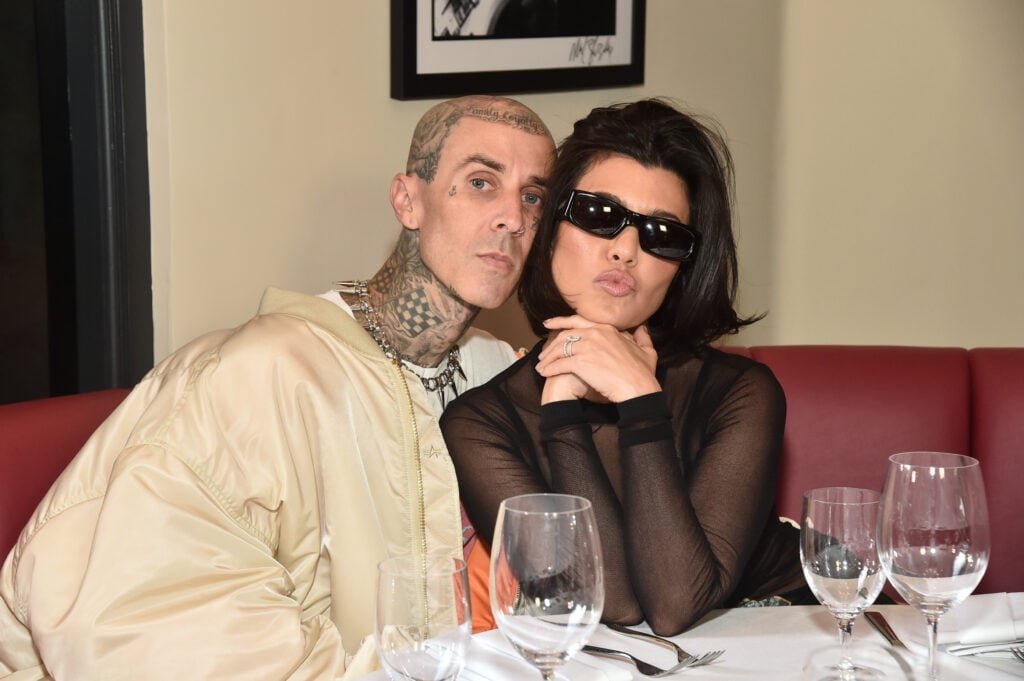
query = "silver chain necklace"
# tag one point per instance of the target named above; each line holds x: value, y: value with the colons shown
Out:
x: 436, y: 383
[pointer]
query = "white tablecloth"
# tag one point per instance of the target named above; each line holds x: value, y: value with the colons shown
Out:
x: 769, y: 644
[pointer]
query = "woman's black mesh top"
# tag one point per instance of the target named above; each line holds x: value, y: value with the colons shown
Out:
x: 682, y: 481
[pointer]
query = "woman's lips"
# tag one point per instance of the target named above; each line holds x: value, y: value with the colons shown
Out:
x: 616, y: 283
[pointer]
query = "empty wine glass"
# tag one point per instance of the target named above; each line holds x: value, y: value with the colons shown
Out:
x: 423, y: 619
x: 547, y: 581
x: 934, y: 532
x: 839, y: 554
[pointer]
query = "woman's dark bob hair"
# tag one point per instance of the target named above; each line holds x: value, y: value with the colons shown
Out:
x: 698, y: 306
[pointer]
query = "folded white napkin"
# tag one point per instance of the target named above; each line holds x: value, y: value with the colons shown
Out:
x: 983, y: 621
x: 492, y: 658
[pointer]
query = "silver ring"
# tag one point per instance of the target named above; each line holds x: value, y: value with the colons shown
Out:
x: 567, y: 345
x: 519, y: 232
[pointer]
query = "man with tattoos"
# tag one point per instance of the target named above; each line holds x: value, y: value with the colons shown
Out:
x: 226, y: 521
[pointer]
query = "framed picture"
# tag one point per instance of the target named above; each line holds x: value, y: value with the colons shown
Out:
x: 445, y: 48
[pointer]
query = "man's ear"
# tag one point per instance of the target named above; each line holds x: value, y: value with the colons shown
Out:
x: 405, y: 200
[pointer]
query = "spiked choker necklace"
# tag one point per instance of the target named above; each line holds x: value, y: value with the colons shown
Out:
x: 438, y: 383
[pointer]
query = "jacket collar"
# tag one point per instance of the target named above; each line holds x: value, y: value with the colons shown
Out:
x: 322, y: 313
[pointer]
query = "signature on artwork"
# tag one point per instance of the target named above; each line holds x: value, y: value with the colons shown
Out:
x: 590, y: 49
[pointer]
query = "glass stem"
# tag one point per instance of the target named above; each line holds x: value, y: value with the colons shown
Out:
x: 845, y: 634
x: 933, y: 635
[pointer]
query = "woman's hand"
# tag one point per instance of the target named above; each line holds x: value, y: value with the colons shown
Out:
x: 618, y: 365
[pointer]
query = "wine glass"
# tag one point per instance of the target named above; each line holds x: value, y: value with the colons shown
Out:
x: 934, y: 532
x: 839, y: 555
x: 547, y: 580
x: 423, y: 622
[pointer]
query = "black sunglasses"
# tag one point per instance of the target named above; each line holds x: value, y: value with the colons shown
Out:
x: 605, y: 218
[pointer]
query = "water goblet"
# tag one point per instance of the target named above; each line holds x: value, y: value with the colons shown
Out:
x: 423, y: 624
x: 934, y: 533
x: 839, y: 555
x: 547, y: 580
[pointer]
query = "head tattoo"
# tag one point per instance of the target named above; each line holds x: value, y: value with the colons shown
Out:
x: 437, y: 123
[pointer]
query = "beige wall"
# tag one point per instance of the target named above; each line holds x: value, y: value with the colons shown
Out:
x: 900, y: 196
x: 273, y: 140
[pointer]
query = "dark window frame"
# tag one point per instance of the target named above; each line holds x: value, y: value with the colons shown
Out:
x: 109, y: 191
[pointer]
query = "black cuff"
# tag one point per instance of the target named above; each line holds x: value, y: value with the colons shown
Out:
x: 644, y: 419
x: 649, y: 407
x: 556, y: 415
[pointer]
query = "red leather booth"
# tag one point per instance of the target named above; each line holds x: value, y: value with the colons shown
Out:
x: 37, y: 440
x: 849, y: 408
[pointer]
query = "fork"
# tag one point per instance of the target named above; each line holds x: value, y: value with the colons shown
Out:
x: 643, y: 635
x: 1018, y: 653
x: 648, y: 669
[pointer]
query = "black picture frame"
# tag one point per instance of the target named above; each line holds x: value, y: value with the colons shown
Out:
x: 596, y: 61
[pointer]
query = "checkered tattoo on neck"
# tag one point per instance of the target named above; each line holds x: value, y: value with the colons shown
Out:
x: 414, y: 313
x: 385, y: 279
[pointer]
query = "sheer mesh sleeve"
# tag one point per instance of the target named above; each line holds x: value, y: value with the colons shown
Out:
x: 692, y: 519
x: 487, y: 447
x: 682, y: 481
x: 576, y: 468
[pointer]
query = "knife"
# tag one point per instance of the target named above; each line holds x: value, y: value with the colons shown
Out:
x: 879, y: 622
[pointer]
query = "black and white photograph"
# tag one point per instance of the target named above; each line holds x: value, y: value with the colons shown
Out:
x: 457, y: 47
x: 491, y: 19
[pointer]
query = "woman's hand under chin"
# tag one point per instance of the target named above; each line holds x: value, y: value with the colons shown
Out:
x: 617, y: 365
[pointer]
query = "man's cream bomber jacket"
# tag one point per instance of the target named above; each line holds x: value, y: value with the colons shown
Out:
x: 226, y: 521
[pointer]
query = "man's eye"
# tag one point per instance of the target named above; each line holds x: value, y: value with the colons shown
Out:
x: 532, y: 199
x: 477, y: 183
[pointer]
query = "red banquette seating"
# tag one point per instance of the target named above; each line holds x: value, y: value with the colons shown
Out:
x: 848, y: 409
x: 37, y: 440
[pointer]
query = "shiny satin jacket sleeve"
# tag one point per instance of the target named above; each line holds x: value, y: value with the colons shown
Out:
x: 159, y: 559
x: 184, y: 542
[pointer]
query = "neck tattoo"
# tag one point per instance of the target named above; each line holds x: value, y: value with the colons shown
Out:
x: 372, y: 323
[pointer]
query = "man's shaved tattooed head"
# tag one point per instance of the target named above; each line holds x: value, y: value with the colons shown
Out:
x: 437, y: 123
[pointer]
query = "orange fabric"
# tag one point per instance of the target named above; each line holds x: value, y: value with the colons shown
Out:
x: 479, y: 564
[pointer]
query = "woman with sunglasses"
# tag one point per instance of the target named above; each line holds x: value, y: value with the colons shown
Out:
x: 624, y: 402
